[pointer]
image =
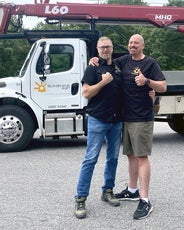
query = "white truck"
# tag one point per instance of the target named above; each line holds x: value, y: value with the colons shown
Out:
x: 47, y: 96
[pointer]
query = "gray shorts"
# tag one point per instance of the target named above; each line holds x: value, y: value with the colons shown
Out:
x: 138, y: 138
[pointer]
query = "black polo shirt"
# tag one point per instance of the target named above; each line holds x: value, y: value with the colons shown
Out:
x: 107, y: 104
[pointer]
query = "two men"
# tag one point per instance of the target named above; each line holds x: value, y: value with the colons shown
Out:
x: 140, y: 74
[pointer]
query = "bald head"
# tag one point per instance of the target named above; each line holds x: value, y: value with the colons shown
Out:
x: 137, y: 37
x: 136, y: 46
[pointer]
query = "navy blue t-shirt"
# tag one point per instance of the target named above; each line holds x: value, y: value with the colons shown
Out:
x: 107, y: 104
x: 138, y: 105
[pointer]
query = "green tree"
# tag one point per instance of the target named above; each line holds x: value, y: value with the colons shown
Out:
x: 12, y: 56
x: 175, y: 3
x: 175, y: 42
x: 12, y: 52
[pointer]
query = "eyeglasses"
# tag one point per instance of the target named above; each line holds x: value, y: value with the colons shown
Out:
x: 104, y: 47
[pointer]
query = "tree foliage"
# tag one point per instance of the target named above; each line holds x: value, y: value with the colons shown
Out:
x: 12, y: 53
x: 12, y: 56
x: 175, y: 3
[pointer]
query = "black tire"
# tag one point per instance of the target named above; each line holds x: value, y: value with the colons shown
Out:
x: 16, y: 128
x: 176, y: 123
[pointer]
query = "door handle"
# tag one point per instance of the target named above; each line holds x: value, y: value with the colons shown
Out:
x: 75, y: 88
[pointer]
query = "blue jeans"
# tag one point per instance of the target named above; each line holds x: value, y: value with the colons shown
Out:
x: 99, y: 131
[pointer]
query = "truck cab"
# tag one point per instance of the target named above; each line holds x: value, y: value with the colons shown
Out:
x: 46, y: 96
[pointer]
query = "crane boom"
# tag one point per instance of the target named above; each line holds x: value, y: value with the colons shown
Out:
x: 159, y: 16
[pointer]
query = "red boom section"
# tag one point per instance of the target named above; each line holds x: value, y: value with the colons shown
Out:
x: 102, y: 13
x: 5, y: 16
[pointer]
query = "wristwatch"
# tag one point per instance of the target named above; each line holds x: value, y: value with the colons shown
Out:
x: 147, y: 82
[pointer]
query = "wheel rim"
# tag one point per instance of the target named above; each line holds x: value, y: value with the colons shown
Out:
x: 11, y: 129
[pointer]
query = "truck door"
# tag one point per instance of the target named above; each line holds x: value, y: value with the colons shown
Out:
x: 60, y: 86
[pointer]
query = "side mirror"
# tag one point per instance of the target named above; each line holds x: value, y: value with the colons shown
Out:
x: 45, y: 61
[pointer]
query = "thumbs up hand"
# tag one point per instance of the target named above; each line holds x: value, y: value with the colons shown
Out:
x: 140, y: 79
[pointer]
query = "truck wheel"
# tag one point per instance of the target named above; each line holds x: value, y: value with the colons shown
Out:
x: 16, y: 128
x: 176, y: 123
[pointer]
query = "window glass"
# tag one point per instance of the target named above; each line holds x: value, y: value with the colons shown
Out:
x: 61, y: 58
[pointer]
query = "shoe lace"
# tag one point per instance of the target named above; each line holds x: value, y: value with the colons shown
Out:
x: 80, y: 205
x: 110, y: 194
x: 141, y: 205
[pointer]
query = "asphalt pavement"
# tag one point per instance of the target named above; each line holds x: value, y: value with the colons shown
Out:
x: 37, y: 187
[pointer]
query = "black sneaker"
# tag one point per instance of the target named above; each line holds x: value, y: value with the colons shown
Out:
x: 80, y: 210
x: 109, y: 197
x: 126, y: 195
x: 143, y: 210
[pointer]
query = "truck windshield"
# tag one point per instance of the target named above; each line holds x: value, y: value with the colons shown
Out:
x: 26, y: 63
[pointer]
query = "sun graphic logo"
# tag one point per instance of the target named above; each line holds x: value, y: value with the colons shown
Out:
x: 40, y: 87
x: 136, y: 71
